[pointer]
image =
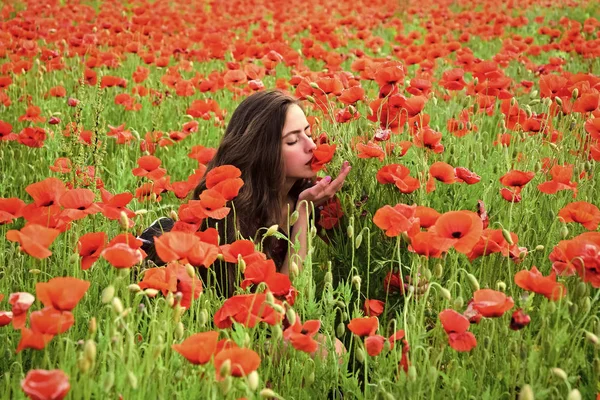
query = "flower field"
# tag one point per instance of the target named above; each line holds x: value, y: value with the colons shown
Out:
x: 461, y: 258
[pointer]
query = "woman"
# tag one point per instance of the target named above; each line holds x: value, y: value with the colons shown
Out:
x: 269, y: 139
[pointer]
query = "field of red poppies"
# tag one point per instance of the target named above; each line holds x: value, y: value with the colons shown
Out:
x: 461, y: 259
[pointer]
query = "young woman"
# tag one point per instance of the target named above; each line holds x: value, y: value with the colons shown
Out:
x: 269, y: 139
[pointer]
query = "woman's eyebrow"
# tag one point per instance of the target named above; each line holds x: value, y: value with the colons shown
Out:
x: 295, y: 132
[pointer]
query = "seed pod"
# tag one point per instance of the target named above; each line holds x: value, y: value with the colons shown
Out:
x: 539, y: 247
x: 291, y: 316
x: 445, y: 293
x: 526, y: 393
x: 473, y: 281
x: 350, y: 231
x: 564, y: 231
x: 340, y: 330
x: 358, y: 240
x: 253, y: 380
x: 179, y: 330
x: 501, y: 286
x: 574, y: 394
x: 89, y: 350
x: 559, y: 373
x: 117, y: 305
x: 438, y: 270
x: 134, y: 288
x: 107, y: 294
x: 92, y: 326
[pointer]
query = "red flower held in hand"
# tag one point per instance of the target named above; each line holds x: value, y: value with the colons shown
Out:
x: 456, y: 326
x: 582, y: 212
x: 198, y: 348
x: 40, y: 384
x: 491, y: 303
x: 322, y: 155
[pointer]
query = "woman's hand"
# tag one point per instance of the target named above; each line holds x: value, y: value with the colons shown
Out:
x: 325, y: 189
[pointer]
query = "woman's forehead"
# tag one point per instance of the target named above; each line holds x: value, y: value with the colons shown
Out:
x: 295, y: 119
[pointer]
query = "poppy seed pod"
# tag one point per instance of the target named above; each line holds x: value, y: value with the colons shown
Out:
x: 314, y: 85
x: 173, y: 215
x: 134, y: 288
x: 117, y: 305
x: 107, y: 294
x: 268, y: 394
x: 473, y: 281
x: 559, y: 373
x: 179, y: 330
x: 574, y: 394
x: 592, y: 338
x: 445, y: 293
x: 89, y: 350
x: 356, y: 281
x: 93, y: 325
x: 526, y: 393
x: 253, y: 380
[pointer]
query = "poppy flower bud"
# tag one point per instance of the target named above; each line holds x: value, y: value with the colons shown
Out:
x: 253, y: 380
x: 294, y: 270
x: 358, y: 240
x: 438, y: 270
x: 360, y: 355
x: 203, y: 317
x: 179, y: 330
x: 539, y: 247
x: 574, y: 394
x: 528, y: 111
x: 475, y: 81
x: 272, y: 230
x: 456, y: 385
x: 340, y: 330
x: 433, y: 373
x: 268, y: 394
x: 89, y: 350
x: 581, y: 289
x: 356, y: 281
x: 294, y: 217
x: 473, y: 281
x: 173, y: 215
x: 534, y: 102
x: 54, y: 121
x: 559, y: 373
x: 310, y: 99
x: 350, y: 231
x: 134, y: 288
x: 170, y: 299
x: 459, y: 302
x: 558, y: 101
x: 276, y: 333
x: 526, y: 393
x: 133, y: 381
x: 241, y: 263
x: 225, y: 369
x: 150, y: 292
x: 107, y: 294
x: 279, y: 308
x: 291, y: 316
x: 445, y: 293
x: 124, y: 220
x: 72, y: 102
x: 117, y: 305
x: 564, y: 231
x: 83, y: 364
x: 412, y: 373
x: 314, y: 85
x: 93, y: 325
x: 36, y: 271
x: 586, y: 305
x: 313, y: 231
x: 501, y: 286
x: 575, y: 94
x: 189, y: 269
x: 328, y: 278
x: 591, y: 337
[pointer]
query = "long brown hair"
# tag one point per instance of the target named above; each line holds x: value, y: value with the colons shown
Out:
x: 252, y: 143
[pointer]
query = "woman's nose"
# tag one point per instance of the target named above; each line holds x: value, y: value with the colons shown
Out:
x: 311, y: 145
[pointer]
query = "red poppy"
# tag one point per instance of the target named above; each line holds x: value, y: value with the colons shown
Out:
x: 460, y: 229
x: 202, y: 154
x: 519, y: 320
x: 322, y: 155
x: 190, y: 286
x: 124, y: 251
x: 494, y: 241
x: 20, y: 302
x: 456, y: 326
x: 366, y: 326
x: 89, y: 247
x: 352, y: 95
x: 163, y: 279
x: 561, y: 180
x: 373, y: 308
x: 10, y: 209
x: 61, y: 165
x: 32, y: 114
x: 33, y: 340
x: 398, y: 175
x: 397, y: 219
x: 243, y: 361
x: 78, y: 203
x: 429, y: 244
x: 427, y: 216
x: 453, y: 79
x: 301, y: 335
x: 247, y: 309
x: 443, y: 172
x: 582, y: 212
x: 331, y: 213
x: 491, y: 303
x: 149, y: 166
x: 515, y: 178
x: 47, y: 192
x: 113, y: 205
x: 198, y: 348
x: 50, y: 321
x: 185, y: 247
x: 374, y: 344
x: 265, y: 271
x: 40, y: 384
x: 211, y: 205
x: 580, y: 254
x: 122, y: 135
x: 61, y: 293
x: 6, y: 317
x: 34, y: 239
x: 464, y: 175
x: 547, y: 286
x: 370, y: 150
x: 512, y: 196
x: 241, y: 248
x: 429, y: 139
